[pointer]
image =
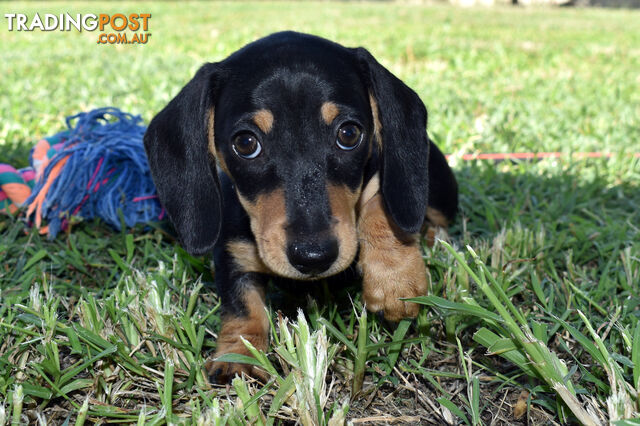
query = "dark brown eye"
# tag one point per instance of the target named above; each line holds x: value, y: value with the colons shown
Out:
x: 246, y: 145
x: 349, y: 137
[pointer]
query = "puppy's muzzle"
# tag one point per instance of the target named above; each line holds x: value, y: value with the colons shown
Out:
x: 313, y: 256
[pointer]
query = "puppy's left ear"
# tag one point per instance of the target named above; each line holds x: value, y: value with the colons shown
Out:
x: 405, y: 146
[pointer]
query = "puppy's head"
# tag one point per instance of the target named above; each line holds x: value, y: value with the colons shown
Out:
x: 305, y: 129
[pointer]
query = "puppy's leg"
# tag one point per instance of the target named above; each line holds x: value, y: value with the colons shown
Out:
x: 248, y: 321
x: 443, y: 195
x: 239, y: 276
x: 435, y: 226
x: 242, y: 295
x: 391, y: 263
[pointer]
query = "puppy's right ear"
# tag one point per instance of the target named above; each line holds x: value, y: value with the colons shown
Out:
x: 183, y: 168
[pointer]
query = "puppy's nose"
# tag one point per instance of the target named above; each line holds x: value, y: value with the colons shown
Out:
x: 313, y: 257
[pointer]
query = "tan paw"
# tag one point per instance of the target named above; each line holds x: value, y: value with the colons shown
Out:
x: 230, y: 343
x: 385, y: 283
x: 223, y: 372
x: 254, y: 328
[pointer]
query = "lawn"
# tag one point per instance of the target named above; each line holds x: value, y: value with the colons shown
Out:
x: 533, y: 314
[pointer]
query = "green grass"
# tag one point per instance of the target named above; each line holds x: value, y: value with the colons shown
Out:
x: 537, y: 289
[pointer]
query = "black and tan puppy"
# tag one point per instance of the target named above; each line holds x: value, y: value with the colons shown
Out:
x: 290, y: 158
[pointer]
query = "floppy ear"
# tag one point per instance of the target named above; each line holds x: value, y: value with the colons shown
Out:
x: 405, y: 146
x: 182, y: 167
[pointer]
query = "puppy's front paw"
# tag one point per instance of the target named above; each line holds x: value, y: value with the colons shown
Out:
x: 223, y: 372
x: 253, y: 328
x: 391, y: 264
x: 387, y: 278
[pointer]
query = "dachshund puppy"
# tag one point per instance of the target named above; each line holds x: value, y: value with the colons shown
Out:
x: 297, y: 157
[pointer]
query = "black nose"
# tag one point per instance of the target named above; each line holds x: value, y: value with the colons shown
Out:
x: 313, y: 257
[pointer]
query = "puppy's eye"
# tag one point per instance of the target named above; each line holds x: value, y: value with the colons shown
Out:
x: 349, y: 137
x: 246, y: 145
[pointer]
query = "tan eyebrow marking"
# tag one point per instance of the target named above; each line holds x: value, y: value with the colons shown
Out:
x: 263, y: 119
x: 329, y: 111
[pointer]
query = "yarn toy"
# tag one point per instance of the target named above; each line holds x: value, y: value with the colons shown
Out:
x: 95, y: 168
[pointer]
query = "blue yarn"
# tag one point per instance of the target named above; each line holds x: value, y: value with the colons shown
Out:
x: 123, y: 175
